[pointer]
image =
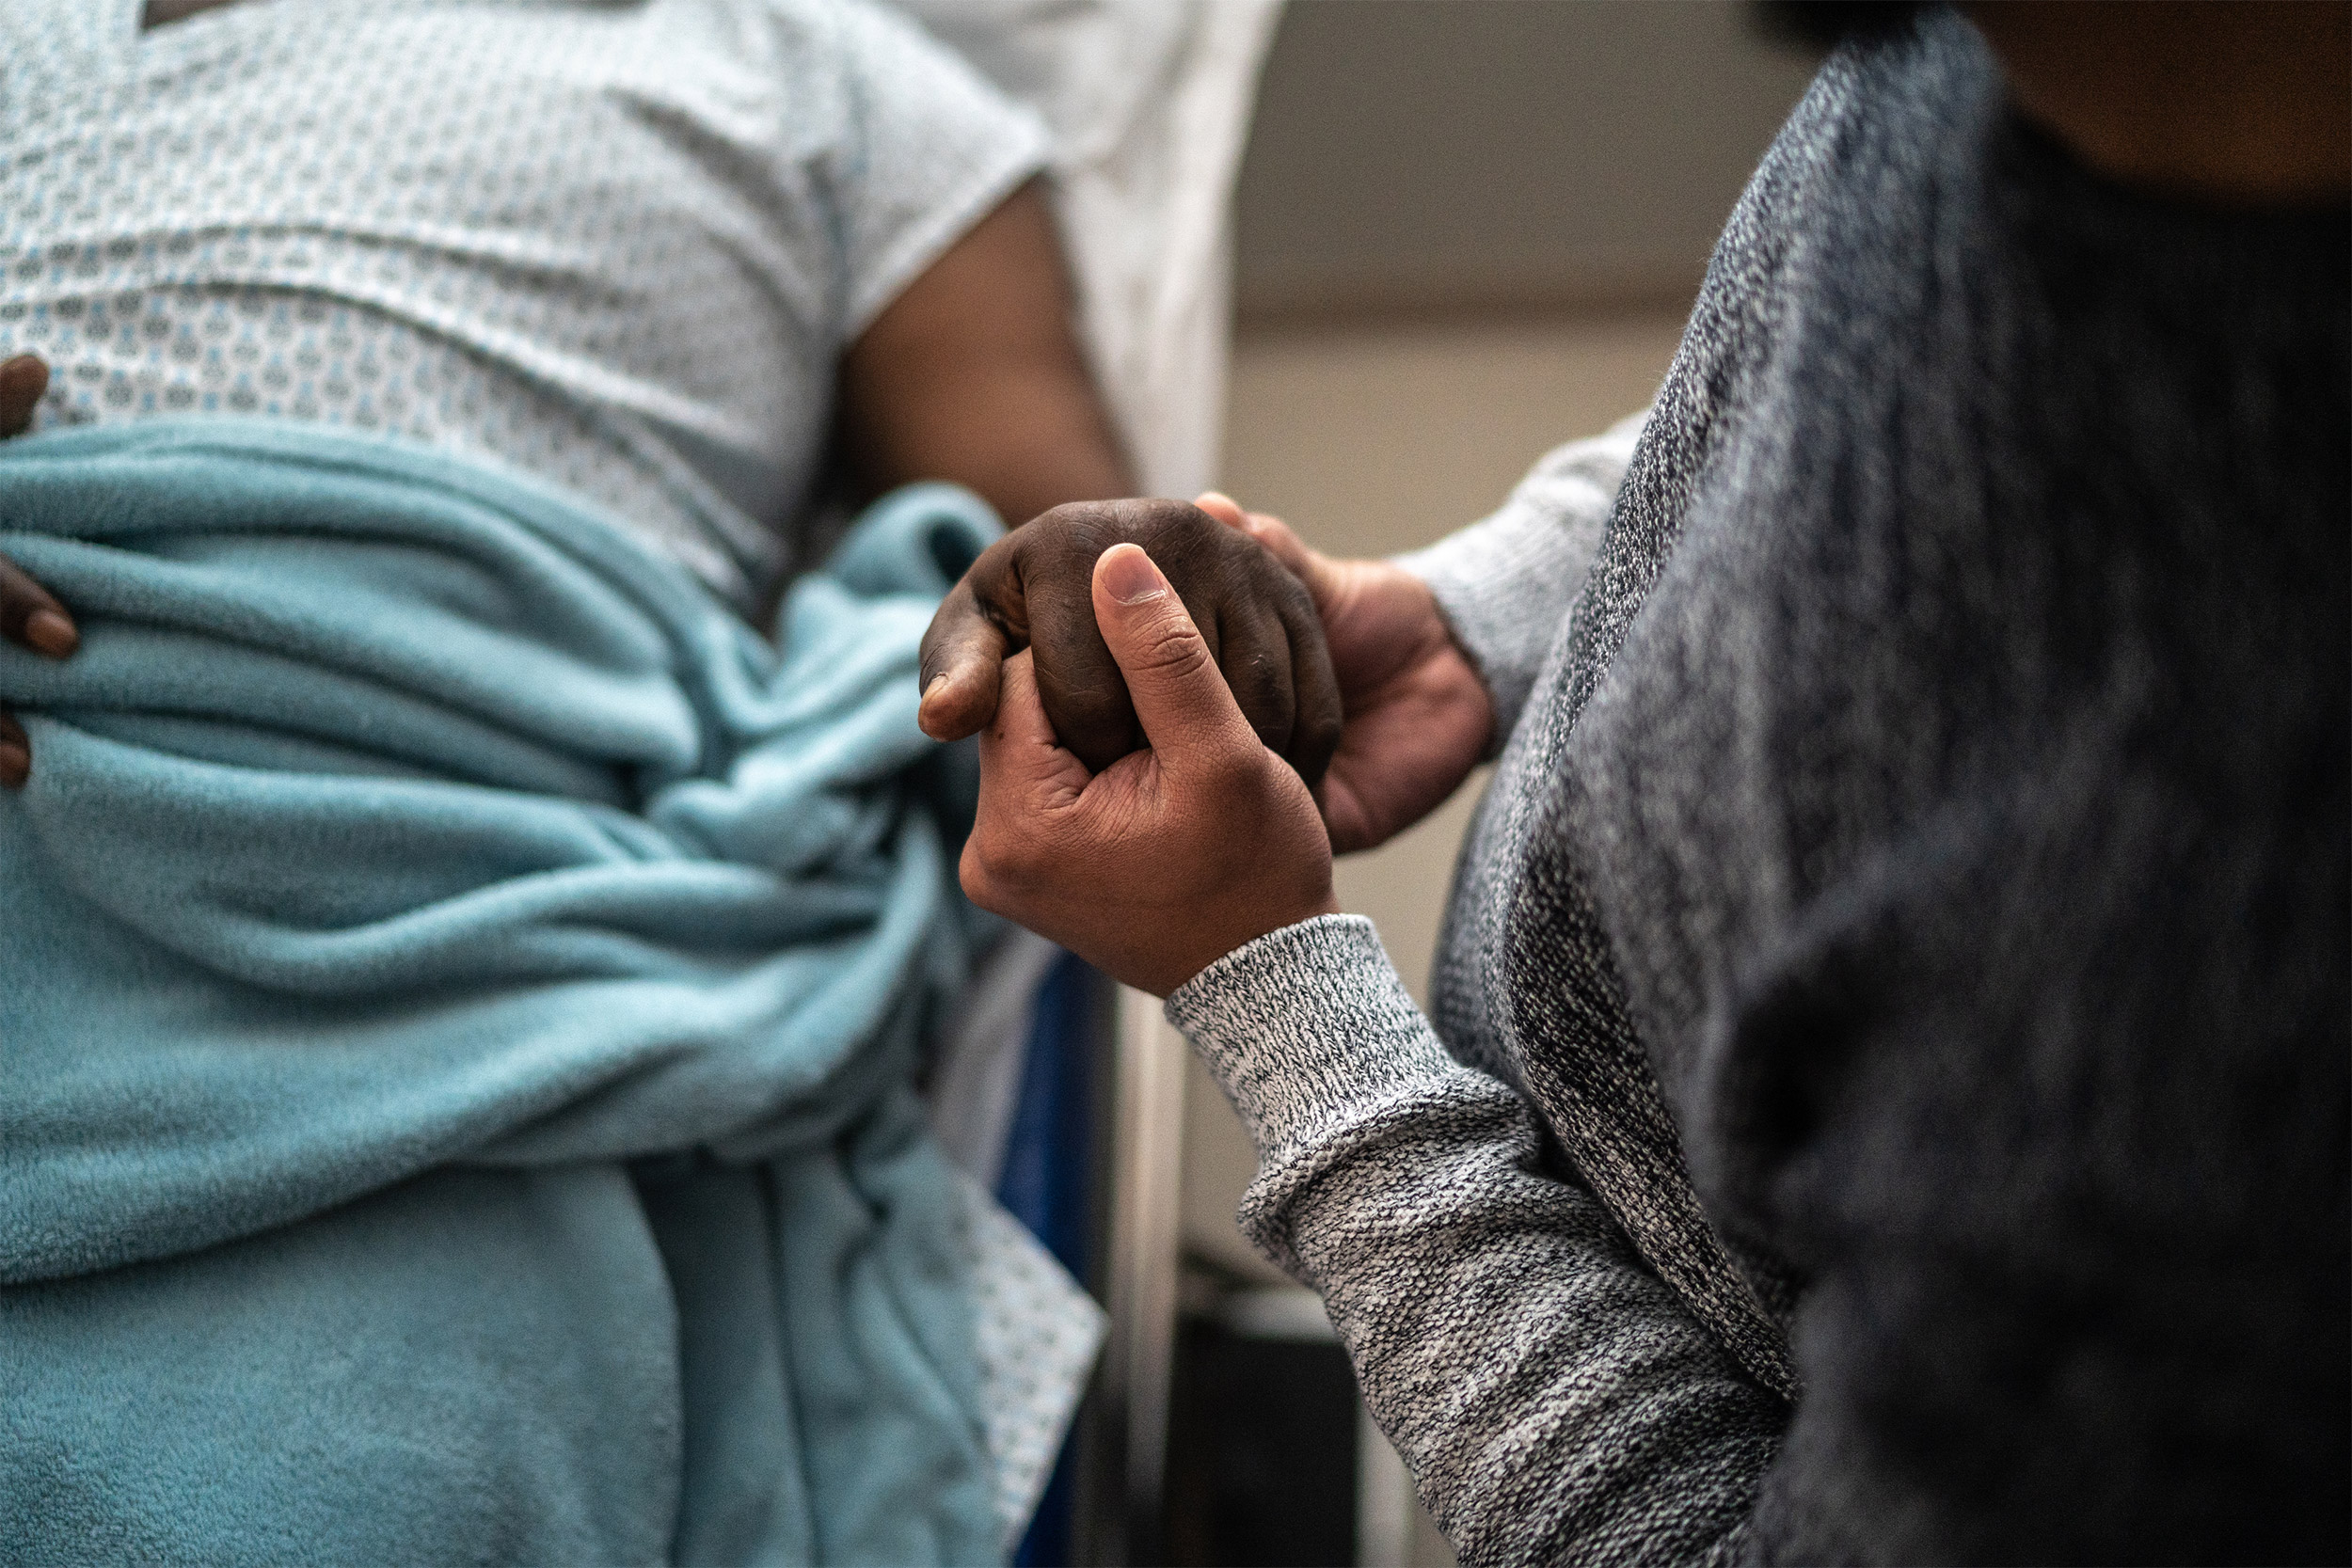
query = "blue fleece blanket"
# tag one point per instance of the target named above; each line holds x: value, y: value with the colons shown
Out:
x: 458, y: 989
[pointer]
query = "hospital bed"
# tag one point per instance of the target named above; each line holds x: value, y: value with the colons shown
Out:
x: 1149, y: 102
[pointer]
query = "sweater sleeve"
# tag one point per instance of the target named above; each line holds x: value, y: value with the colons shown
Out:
x: 1551, y: 1398
x: 1506, y: 583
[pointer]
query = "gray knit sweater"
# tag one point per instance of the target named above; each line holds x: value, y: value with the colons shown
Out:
x: 1886, y: 1092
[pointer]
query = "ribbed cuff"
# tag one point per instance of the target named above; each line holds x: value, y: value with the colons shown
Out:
x: 1306, y: 1027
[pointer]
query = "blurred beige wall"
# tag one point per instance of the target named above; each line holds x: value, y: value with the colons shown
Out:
x: 1410, y: 154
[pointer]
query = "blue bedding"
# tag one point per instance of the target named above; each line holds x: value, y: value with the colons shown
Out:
x: 458, y: 994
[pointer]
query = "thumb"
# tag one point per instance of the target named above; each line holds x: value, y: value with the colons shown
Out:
x: 1180, y: 696
x: 1224, y: 508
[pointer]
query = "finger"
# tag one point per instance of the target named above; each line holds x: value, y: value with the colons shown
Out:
x: 1079, y: 683
x: 16, y: 754
x: 1224, y: 508
x: 963, y: 652
x: 31, y: 617
x: 1019, y: 752
x: 1317, y: 571
x: 1180, y: 696
x: 1254, y: 655
x: 1019, y: 719
x: 22, y: 380
x: 1318, y: 714
x: 1026, y: 781
x: 1310, y: 713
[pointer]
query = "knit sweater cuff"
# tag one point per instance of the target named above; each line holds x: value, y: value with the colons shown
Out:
x: 1308, y: 1028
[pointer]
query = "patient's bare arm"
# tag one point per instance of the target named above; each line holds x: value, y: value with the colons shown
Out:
x: 29, y: 617
x: 976, y: 374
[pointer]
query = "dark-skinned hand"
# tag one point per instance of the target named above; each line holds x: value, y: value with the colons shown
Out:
x: 1034, y: 589
x: 1176, y: 854
x: 29, y: 617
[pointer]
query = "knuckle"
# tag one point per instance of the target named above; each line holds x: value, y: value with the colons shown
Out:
x: 1261, y: 681
x: 971, y: 874
x: 1001, y: 858
x: 1163, y: 518
x: 987, y: 567
x: 1171, y: 648
x: 1190, y: 546
x: 1072, y: 529
x: 991, y: 878
x: 1236, y: 770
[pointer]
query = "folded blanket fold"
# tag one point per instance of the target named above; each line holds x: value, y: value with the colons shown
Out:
x: 401, y: 819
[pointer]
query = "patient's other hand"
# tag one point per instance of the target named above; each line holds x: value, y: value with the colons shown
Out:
x: 1034, y: 589
x: 28, y: 616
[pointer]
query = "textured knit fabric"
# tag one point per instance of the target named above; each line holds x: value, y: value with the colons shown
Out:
x: 1913, y: 904
x: 621, y: 247
x: 411, y: 851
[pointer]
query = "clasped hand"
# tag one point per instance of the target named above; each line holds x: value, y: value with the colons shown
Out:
x: 1153, y: 862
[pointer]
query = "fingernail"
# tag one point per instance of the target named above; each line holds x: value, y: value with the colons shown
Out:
x: 16, y: 764
x: 1130, y: 576
x: 52, y: 633
x: 937, y: 681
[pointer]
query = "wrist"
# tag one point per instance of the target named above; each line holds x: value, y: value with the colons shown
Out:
x: 1235, y: 929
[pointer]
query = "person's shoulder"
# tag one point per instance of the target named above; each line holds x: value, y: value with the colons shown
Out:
x: 1919, y: 83
x: 1891, y: 119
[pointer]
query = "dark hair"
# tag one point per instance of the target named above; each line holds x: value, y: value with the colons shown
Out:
x: 1824, y: 24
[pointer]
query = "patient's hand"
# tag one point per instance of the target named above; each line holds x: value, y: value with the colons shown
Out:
x: 28, y: 616
x: 1034, y: 589
x: 1172, y: 856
